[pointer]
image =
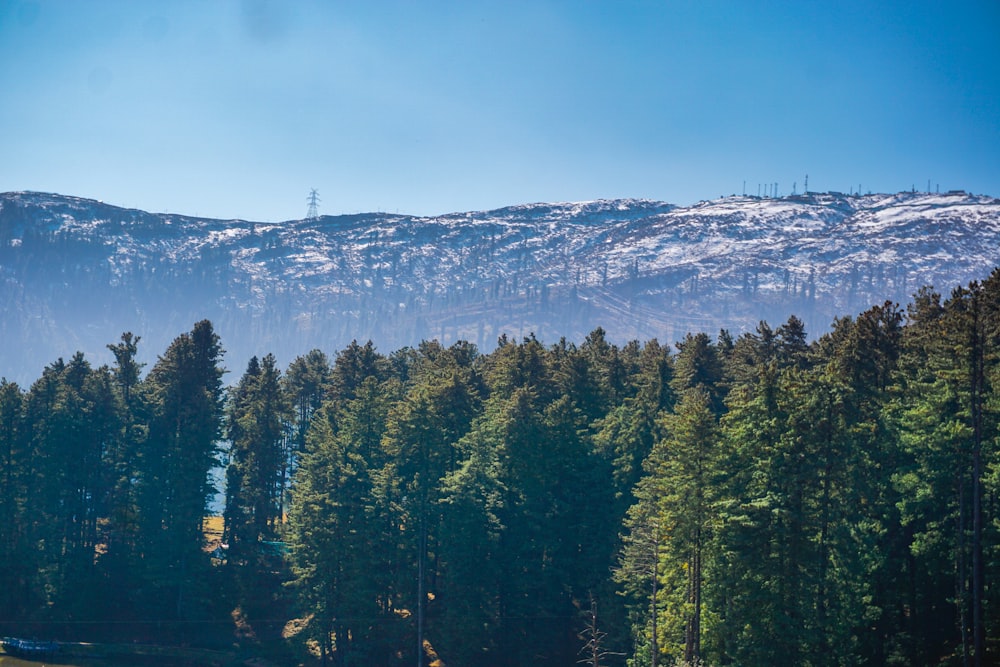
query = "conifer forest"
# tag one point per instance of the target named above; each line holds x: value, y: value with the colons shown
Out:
x: 768, y: 498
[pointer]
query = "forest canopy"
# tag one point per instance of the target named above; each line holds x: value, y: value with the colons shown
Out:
x: 759, y: 499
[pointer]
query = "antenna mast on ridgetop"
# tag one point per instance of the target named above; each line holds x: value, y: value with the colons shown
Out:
x: 313, y: 200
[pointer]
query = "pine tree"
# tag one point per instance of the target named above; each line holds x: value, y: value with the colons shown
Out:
x: 343, y: 538
x: 471, y: 501
x: 752, y: 539
x: 929, y: 483
x: 421, y: 439
x: 14, y: 480
x: 237, y: 516
x: 122, y: 526
x: 673, y: 521
x: 258, y: 417
x: 305, y: 383
x: 184, y: 398
x: 864, y: 365
x: 949, y: 427
x: 639, y: 566
x: 43, y: 489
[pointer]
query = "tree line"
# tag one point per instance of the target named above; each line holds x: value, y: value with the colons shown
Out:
x: 105, y: 483
x: 756, y: 499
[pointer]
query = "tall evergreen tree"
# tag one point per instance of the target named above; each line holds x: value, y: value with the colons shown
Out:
x: 624, y: 436
x: 344, y: 542
x: 421, y: 440
x: 237, y: 516
x: 306, y: 383
x: 258, y: 417
x: 258, y: 425
x: 949, y: 427
x: 670, y: 531
x: 753, y: 537
x: 864, y: 363
x: 15, y: 576
x: 184, y: 398
x: 930, y: 483
x: 118, y: 563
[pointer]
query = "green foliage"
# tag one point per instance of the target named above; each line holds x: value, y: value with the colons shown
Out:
x: 341, y: 533
x: 759, y: 500
x: 679, y: 494
x: 15, y: 477
x: 183, y: 404
x: 258, y: 418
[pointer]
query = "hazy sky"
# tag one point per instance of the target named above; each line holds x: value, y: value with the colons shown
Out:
x: 230, y: 108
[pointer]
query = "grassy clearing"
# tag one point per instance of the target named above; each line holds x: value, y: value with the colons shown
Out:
x: 212, y: 527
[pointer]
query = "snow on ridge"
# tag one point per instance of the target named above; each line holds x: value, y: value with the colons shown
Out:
x: 641, y: 267
x: 229, y: 234
x: 612, y: 239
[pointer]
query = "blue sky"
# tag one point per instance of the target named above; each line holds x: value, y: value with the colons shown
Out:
x: 230, y: 108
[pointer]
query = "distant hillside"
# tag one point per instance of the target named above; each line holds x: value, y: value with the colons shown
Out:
x: 76, y: 273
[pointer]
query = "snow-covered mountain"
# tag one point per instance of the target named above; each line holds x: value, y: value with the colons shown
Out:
x: 76, y: 273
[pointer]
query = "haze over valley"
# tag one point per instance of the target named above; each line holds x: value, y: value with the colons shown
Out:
x: 76, y: 273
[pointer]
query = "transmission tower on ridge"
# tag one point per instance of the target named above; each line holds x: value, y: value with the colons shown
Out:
x: 313, y: 200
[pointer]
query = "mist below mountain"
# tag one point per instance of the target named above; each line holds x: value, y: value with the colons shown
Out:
x: 76, y: 273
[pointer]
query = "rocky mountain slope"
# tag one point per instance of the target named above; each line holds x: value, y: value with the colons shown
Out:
x: 76, y: 273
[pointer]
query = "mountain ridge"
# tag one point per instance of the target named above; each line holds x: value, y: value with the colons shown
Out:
x: 75, y: 273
